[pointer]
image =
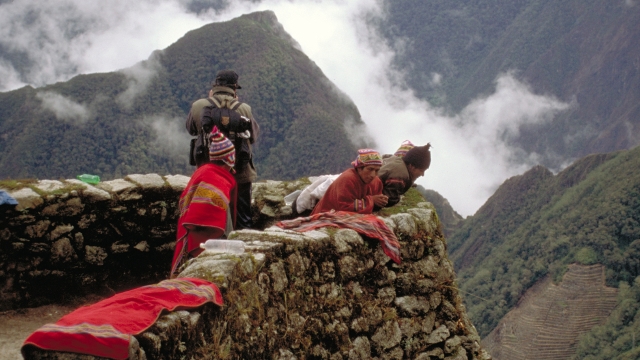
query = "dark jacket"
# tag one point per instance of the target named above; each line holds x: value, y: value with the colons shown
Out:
x: 396, y: 179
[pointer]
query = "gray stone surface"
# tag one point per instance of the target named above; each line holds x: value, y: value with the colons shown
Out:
x: 177, y: 182
x: 405, y: 224
x: 27, y: 199
x: 116, y: 186
x: 49, y: 185
x: 147, y: 181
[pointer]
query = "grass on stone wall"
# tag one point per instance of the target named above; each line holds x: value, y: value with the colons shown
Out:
x: 13, y: 185
x: 409, y: 200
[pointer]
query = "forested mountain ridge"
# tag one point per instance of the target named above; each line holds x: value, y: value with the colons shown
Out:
x: 585, y: 53
x: 538, y: 223
x: 132, y: 121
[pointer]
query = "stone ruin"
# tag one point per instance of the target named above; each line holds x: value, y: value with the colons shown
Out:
x: 323, y: 294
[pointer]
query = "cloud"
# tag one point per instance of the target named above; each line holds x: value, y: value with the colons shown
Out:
x: 10, y: 77
x: 170, y: 139
x: 64, y: 108
x: 138, y: 78
x: 472, y: 154
x: 58, y: 39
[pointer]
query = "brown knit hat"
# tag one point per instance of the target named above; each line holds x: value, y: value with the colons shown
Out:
x: 419, y: 157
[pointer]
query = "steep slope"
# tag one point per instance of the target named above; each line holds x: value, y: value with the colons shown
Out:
x: 537, y: 224
x: 586, y: 53
x: 449, y: 218
x: 549, y: 319
x: 132, y: 121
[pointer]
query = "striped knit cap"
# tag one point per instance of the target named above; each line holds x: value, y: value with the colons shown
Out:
x: 367, y: 157
x: 221, y: 148
x: 404, y: 147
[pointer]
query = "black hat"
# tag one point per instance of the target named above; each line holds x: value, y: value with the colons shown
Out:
x: 419, y: 157
x: 227, y: 78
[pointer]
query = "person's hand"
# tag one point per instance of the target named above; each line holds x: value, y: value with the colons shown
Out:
x: 380, y: 200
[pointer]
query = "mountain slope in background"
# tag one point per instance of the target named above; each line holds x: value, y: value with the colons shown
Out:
x: 132, y: 121
x: 536, y: 224
x: 586, y: 53
x: 449, y: 218
x: 550, y: 318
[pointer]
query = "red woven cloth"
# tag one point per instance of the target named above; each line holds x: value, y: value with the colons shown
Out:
x: 211, y: 191
x: 105, y: 328
x: 368, y: 225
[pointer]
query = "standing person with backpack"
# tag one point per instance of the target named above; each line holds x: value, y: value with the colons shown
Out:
x: 235, y: 120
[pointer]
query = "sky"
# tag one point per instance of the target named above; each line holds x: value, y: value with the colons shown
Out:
x: 59, y: 39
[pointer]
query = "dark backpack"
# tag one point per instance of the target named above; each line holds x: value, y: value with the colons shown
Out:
x: 230, y: 122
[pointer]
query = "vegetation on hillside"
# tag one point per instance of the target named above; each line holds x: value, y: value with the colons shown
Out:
x: 132, y: 121
x: 619, y: 337
x: 580, y: 51
x: 449, y: 218
x: 536, y: 224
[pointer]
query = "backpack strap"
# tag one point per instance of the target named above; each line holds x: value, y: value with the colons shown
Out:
x: 233, y: 105
x: 214, y: 102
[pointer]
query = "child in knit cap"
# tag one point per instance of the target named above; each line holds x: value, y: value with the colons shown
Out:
x: 208, y: 203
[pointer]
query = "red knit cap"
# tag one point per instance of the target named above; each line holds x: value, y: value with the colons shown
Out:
x: 367, y: 157
x: 221, y: 148
x: 404, y: 147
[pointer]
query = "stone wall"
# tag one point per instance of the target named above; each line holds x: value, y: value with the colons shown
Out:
x: 67, y: 238
x: 325, y: 294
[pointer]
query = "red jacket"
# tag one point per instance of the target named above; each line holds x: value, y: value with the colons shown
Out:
x: 349, y: 193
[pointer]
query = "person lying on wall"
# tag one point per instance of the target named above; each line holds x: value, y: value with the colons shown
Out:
x: 400, y: 171
x: 357, y: 189
x: 349, y: 203
x: 208, y: 203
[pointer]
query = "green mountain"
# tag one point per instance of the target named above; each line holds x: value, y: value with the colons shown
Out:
x: 132, y: 121
x: 538, y: 223
x: 449, y: 218
x: 583, y: 52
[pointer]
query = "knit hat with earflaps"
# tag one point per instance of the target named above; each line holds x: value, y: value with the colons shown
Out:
x: 221, y: 148
x: 419, y: 157
x: 367, y: 157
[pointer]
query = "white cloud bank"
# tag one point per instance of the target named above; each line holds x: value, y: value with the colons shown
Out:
x: 471, y: 153
x: 64, y: 108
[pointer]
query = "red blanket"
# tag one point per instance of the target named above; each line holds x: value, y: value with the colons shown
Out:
x: 105, y: 328
x: 208, y: 197
x: 368, y: 225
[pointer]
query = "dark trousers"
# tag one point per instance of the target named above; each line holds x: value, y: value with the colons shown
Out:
x: 243, y: 217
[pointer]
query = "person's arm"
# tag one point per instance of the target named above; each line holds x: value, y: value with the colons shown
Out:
x: 393, y: 188
x: 349, y: 200
x: 191, y: 124
x: 245, y: 110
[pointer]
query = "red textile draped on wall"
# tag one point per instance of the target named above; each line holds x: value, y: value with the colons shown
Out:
x: 105, y: 328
